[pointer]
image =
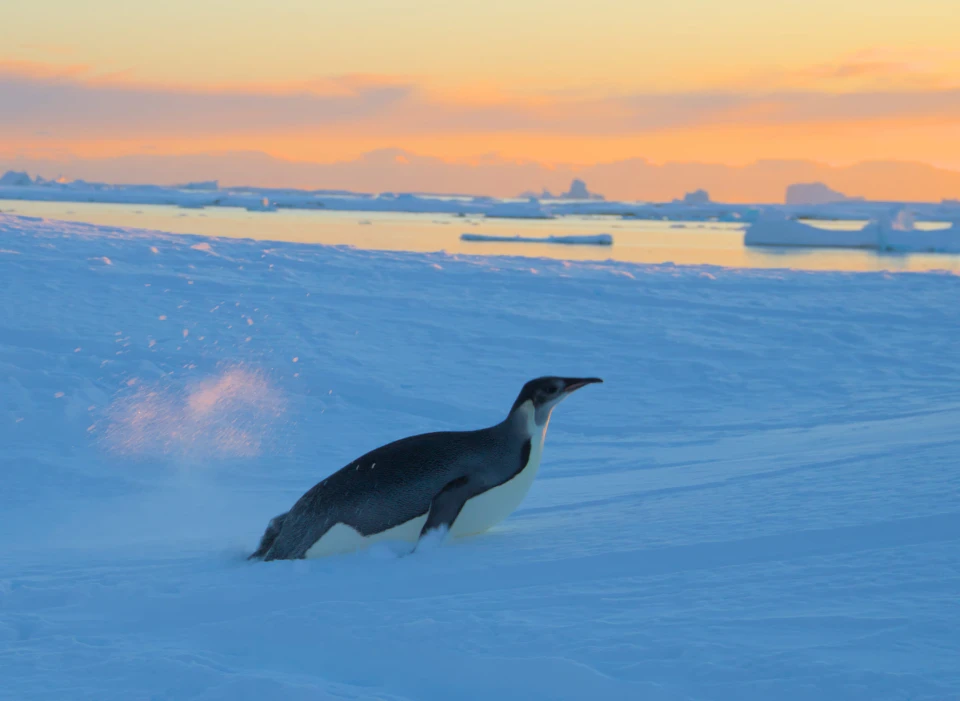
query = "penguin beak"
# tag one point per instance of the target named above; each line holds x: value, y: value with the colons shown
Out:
x: 575, y: 383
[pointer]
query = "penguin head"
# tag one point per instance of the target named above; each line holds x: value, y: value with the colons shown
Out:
x: 544, y: 393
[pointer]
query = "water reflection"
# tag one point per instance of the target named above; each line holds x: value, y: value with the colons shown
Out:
x: 634, y: 241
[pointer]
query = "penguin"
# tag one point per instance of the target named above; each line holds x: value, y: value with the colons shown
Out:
x: 441, y: 484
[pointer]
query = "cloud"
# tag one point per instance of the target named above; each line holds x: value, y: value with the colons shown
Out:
x: 74, y: 104
x: 873, y: 70
x: 32, y: 70
x: 71, y: 104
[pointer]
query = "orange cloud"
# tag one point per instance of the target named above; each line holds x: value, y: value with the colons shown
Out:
x: 33, y: 70
x: 71, y: 110
x: 872, y: 70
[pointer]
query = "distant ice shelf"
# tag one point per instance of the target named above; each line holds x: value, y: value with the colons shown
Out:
x: 17, y: 185
x: 589, y: 240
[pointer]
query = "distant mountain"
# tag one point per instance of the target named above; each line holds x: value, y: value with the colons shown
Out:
x: 814, y: 193
x: 395, y: 170
x: 578, y: 191
x: 695, y: 198
x: 16, y: 178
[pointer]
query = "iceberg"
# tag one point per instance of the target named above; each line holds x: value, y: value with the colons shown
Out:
x: 887, y: 232
x: 585, y: 240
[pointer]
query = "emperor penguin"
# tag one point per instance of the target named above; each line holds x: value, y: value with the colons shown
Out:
x: 449, y: 483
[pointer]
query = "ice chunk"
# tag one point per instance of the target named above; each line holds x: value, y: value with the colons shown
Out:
x: 590, y: 240
x: 886, y: 232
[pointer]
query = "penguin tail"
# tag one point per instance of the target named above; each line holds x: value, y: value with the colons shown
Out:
x: 269, y: 536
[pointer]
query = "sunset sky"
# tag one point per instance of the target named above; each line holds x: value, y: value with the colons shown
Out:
x: 556, y: 82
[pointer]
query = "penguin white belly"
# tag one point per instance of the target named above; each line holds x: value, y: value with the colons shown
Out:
x: 486, y: 510
x: 343, y: 539
x: 478, y: 514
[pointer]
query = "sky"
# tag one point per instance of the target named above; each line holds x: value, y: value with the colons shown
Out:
x: 557, y: 82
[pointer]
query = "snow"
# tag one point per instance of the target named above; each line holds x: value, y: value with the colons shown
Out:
x: 885, y: 233
x: 761, y: 502
x: 210, y: 194
x: 592, y: 240
x: 531, y: 209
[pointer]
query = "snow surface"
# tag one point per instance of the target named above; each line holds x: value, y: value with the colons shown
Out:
x: 761, y: 502
x: 592, y: 239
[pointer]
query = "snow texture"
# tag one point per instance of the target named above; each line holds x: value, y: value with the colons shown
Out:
x: 761, y: 502
x: 591, y: 240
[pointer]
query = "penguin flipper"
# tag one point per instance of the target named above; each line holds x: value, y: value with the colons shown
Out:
x: 447, y: 504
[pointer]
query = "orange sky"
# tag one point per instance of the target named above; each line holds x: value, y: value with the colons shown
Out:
x: 556, y: 82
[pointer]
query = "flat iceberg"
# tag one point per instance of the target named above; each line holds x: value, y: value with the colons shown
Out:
x: 586, y: 240
x: 886, y: 232
x: 532, y: 209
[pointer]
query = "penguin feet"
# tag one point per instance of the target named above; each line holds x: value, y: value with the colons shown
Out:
x: 432, y: 539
